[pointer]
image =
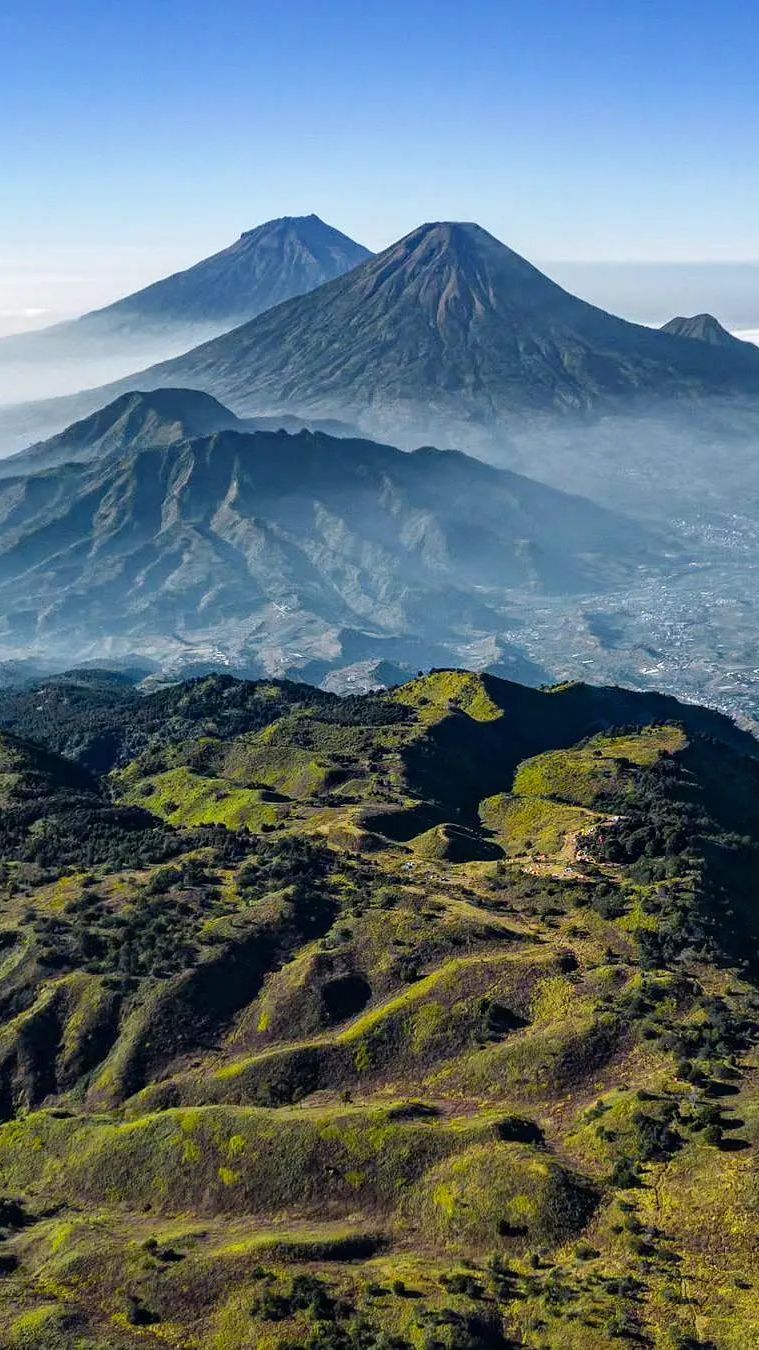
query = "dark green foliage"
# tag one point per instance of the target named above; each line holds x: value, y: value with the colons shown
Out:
x: 672, y: 830
x: 497, y: 1020
x: 291, y: 861
x: 102, y: 723
x: 334, y: 1322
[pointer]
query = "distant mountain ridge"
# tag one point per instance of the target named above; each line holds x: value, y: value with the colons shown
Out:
x: 265, y: 266
x: 271, y: 263
x: 703, y: 328
x: 171, y: 533
x: 142, y: 420
x: 443, y: 336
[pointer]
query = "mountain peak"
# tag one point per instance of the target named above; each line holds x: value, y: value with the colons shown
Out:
x: 464, y: 238
x: 168, y: 402
x: 448, y: 335
x: 281, y: 224
x: 449, y: 230
x: 701, y: 328
x: 170, y: 413
x: 455, y: 274
x: 266, y: 265
x: 275, y: 261
x: 139, y: 419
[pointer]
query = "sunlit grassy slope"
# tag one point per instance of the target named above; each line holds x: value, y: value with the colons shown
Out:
x: 425, y: 1019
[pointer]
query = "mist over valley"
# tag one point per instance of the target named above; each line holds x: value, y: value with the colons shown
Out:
x: 379, y: 676
x: 643, y: 571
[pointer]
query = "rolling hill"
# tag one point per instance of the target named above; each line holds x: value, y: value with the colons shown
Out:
x: 419, y: 1021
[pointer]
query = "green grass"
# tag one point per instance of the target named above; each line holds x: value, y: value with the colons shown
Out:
x: 217, y: 1159
x: 586, y: 776
x: 534, y: 1065
x: 505, y: 1195
x: 451, y: 843
x: 282, y: 767
x: 43, y: 1328
x: 322, y: 1242
x: 438, y: 693
x: 533, y: 824
x: 184, y: 798
x: 507, y: 1136
x: 436, y: 1017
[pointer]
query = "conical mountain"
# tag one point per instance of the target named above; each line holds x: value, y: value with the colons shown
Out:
x: 445, y: 333
x: 445, y: 336
x: 449, y: 324
x: 702, y: 328
x: 274, y: 262
x: 277, y: 260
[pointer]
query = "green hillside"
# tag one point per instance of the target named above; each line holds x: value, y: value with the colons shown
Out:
x: 425, y: 1019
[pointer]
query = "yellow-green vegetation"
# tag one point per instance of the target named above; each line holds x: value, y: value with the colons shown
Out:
x: 271, y: 759
x: 464, y: 1003
x: 503, y: 1194
x: 42, y: 1328
x: 534, y: 825
x: 423, y: 1020
x: 12, y: 761
x: 451, y: 843
x: 444, y: 691
x: 214, y: 1158
x: 185, y: 798
x: 586, y: 776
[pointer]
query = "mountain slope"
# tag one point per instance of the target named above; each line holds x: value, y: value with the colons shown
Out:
x: 135, y: 421
x: 438, y: 1032
x: 446, y: 333
x: 703, y: 328
x: 160, y: 540
x: 143, y: 420
x: 52, y: 811
x: 277, y: 260
x: 449, y: 322
x: 265, y: 266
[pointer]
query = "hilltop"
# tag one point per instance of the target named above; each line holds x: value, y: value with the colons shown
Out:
x: 422, y: 1019
x: 134, y: 421
x: 703, y: 328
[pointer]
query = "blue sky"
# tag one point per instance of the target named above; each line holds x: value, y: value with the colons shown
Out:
x: 139, y: 135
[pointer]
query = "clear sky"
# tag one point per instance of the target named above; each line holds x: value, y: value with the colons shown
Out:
x: 139, y: 135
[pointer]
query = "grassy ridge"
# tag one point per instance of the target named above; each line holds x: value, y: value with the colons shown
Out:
x: 425, y: 1020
